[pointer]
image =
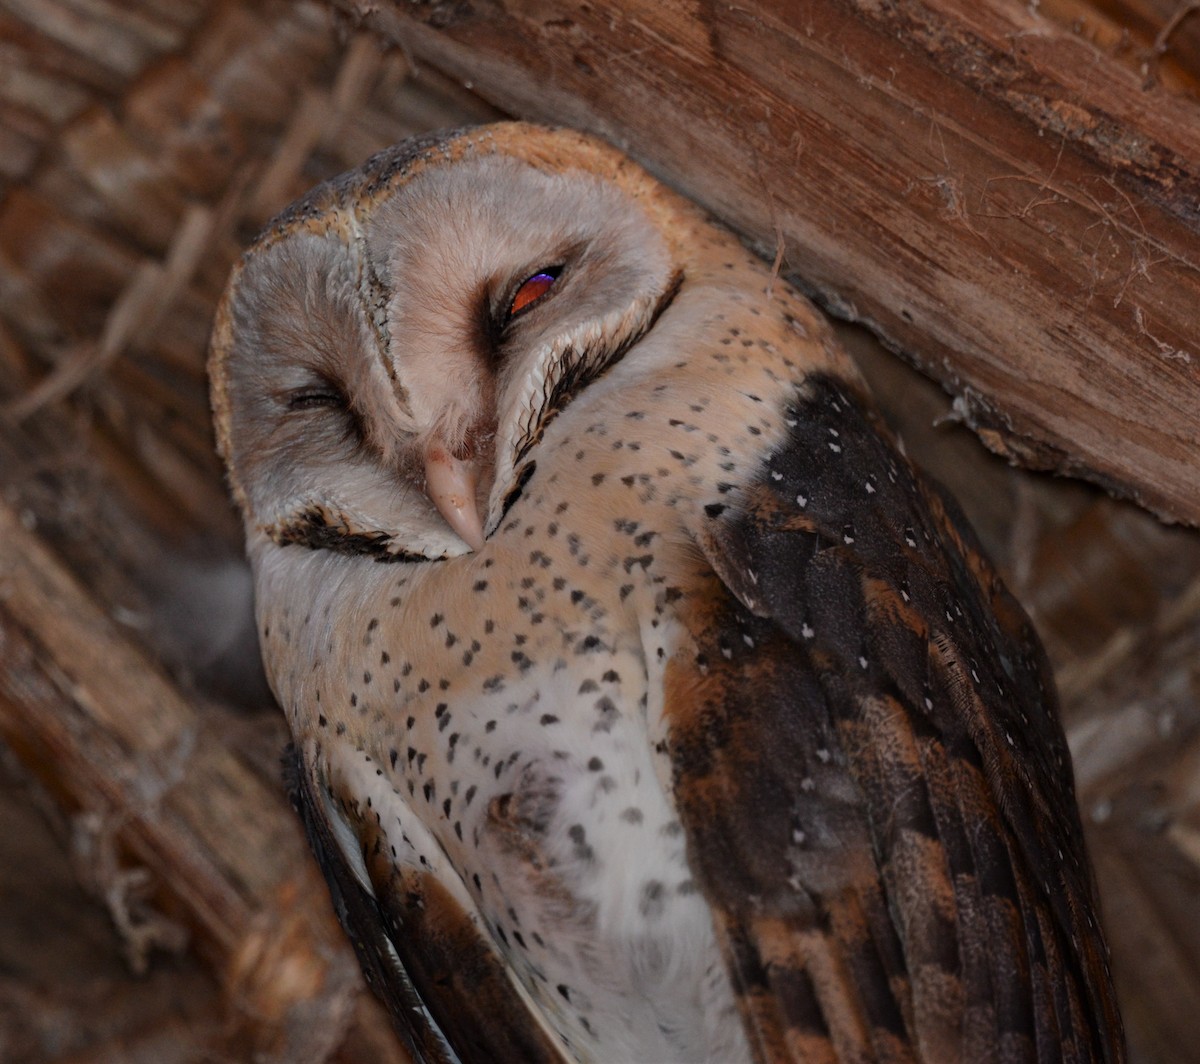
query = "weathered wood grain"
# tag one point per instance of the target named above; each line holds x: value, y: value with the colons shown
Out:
x: 118, y: 745
x: 1002, y: 202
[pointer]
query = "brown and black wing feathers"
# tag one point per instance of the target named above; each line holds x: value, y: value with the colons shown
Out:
x: 872, y: 774
x: 449, y: 995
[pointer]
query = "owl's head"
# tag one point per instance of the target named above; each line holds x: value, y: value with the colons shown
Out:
x: 391, y: 349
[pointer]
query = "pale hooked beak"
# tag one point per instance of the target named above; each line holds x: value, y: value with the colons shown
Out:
x: 450, y: 484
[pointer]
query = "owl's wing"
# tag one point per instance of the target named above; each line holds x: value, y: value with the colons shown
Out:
x: 872, y: 775
x: 449, y: 995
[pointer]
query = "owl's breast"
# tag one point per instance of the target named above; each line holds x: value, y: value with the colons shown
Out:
x: 510, y: 708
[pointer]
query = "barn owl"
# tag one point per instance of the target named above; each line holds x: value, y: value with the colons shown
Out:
x: 647, y: 705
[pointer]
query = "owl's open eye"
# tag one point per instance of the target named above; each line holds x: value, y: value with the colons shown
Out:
x: 531, y: 290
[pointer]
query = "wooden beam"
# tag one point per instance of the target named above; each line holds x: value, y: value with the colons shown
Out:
x: 113, y: 740
x: 999, y: 200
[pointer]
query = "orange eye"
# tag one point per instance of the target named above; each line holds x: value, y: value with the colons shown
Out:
x: 532, y: 289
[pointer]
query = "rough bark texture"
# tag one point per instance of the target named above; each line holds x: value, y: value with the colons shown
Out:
x: 166, y: 804
x: 1011, y: 207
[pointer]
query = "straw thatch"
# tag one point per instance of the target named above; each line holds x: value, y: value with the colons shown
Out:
x: 156, y: 899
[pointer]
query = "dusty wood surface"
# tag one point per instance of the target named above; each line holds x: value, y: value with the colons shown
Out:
x: 171, y: 814
x: 1159, y: 40
x: 994, y: 196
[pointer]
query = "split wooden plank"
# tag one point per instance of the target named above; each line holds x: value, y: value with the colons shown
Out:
x: 1000, y: 201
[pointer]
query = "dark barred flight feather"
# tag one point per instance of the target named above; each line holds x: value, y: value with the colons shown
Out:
x: 878, y: 751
